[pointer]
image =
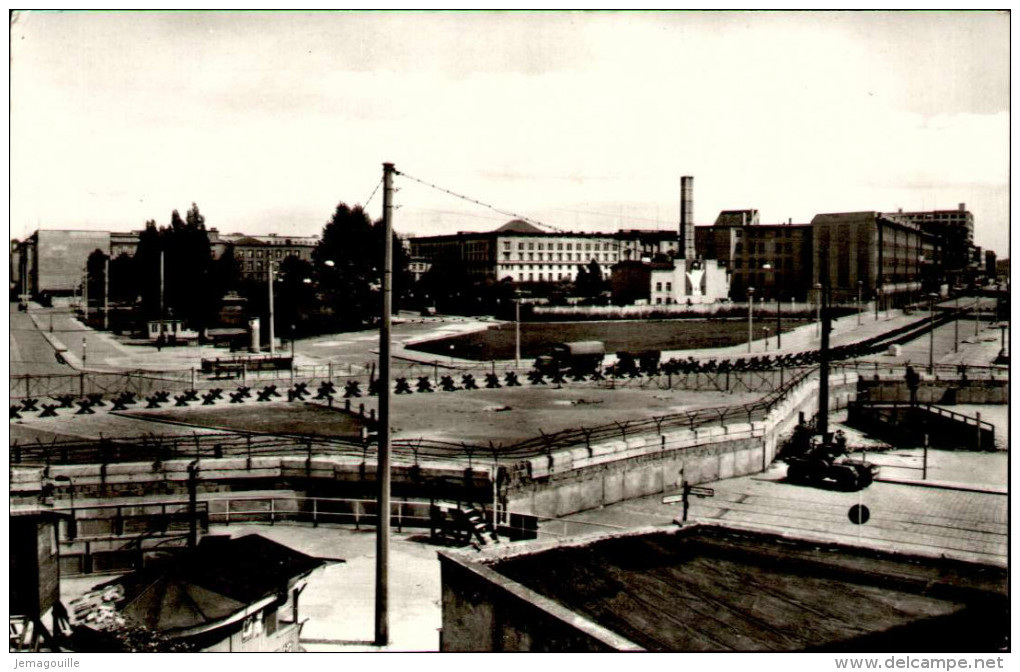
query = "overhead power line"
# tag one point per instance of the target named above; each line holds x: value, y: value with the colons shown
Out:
x: 378, y: 184
x: 501, y: 211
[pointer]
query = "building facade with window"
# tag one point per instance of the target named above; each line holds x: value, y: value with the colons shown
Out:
x: 876, y: 256
x: 255, y: 253
x: 520, y: 252
x: 774, y: 259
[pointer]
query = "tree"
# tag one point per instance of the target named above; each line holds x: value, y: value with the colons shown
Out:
x: 295, y: 295
x: 348, y: 264
x: 95, y: 267
x: 183, y: 249
x: 226, y: 272
x: 589, y: 281
x: 123, y: 283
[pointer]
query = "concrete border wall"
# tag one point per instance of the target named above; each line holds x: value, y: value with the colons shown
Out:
x: 938, y: 391
x: 569, y: 481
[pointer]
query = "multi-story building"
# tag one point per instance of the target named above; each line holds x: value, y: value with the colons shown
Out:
x: 636, y: 244
x: 774, y: 259
x: 874, y: 255
x: 254, y: 253
x: 520, y: 252
x: 955, y: 231
x: 50, y: 263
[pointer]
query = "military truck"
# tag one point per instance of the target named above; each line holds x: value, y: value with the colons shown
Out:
x: 577, y: 357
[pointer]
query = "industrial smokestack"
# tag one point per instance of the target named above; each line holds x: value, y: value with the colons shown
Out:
x: 687, y: 218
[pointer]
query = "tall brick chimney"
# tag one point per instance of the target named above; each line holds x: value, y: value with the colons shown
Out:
x: 687, y: 218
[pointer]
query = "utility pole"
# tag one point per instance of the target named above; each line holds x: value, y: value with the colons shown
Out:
x: 517, y: 332
x: 860, y: 305
x: 106, y: 294
x: 779, y: 321
x: 85, y: 291
x: 956, y: 325
x: 161, y: 292
x: 272, y: 333
x: 382, y: 545
x: 825, y: 322
x: 750, y: 317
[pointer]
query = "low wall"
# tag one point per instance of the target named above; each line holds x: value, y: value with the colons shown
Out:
x: 485, y: 611
x: 570, y: 481
x: 938, y: 391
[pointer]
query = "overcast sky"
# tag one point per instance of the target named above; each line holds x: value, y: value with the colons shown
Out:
x: 583, y: 121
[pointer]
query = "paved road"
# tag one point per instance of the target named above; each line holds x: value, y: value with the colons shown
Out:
x: 30, y: 351
x: 968, y: 525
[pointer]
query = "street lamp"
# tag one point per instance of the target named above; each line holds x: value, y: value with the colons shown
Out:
x: 779, y: 308
x: 750, y: 317
x: 517, y: 329
x: 766, y: 330
x: 860, y: 285
x: 931, y: 333
x: 818, y: 303
x: 956, y: 324
x: 779, y: 321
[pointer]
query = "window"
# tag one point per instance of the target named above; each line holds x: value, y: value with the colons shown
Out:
x: 506, y: 256
x: 520, y: 246
x: 658, y: 286
x: 531, y: 276
x: 570, y: 246
x: 559, y: 257
x: 541, y: 276
x: 541, y: 255
x: 531, y: 246
x: 251, y: 254
x: 559, y: 246
x: 531, y: 256
x: 258, y: 254
x: 587, y: 247
x: 669, y: 286
x: 540, y: 246
x: 658, y: 300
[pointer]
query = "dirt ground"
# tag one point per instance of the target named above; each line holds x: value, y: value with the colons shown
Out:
x: 510, y: 415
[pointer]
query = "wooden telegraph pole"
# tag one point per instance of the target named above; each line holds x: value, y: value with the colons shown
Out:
x: 382, y: 545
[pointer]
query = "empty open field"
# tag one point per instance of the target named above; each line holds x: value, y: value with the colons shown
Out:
x: 631, y: 335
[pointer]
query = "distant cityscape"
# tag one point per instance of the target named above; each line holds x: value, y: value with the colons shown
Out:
x: 888, y: 257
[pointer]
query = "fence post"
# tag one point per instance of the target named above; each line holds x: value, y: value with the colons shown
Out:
x: 315, y: 511
x: 81, y: 383
x: 192, y: 377
x: 272, y: 510
x: 978, y: 426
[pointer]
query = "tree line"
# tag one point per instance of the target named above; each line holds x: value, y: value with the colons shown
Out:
x: 338, y: 289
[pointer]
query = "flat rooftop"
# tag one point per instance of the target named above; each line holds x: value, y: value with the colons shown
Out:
x: 713, y: 588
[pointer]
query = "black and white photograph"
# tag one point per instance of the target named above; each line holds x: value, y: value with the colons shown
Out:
x: 493, y: 331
